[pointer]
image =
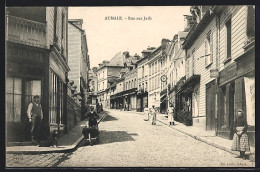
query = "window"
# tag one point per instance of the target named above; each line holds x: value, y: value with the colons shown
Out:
x: 192, y: 62
x: 155, y: 67
x: 13, y: 99
x: 55, y: 99
x: 142, y: 71
x: 208, y: 50
x: 228, y: 38
x: 93, y: 83
x: 150, y: 70
x: 103, y: 86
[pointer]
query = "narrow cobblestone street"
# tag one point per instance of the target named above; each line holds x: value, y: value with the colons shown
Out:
x: 126, y: 140
x: 129, y: 141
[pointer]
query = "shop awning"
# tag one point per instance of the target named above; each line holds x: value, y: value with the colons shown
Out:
x: 190, y: 82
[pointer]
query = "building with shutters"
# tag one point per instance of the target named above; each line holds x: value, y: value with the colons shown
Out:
x: 142, y: 79
x: 157, y: 62
x: 78, y: 59
x: 236, y: 68
x: 222, y: 41
x: 107, y: 73
x: 36, y: 64
x: 92, y: 91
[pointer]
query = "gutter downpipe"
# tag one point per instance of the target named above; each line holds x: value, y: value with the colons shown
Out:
x: 217, y: 67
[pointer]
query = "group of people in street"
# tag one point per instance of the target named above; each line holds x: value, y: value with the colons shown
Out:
x: 153, y: 113
x: 240, y: 138
x: 150, y: 112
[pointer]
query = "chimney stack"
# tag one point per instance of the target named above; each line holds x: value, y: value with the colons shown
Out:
x: 126, y: 54
x: 188, y: 22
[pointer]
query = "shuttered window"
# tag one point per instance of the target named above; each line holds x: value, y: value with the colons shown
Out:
x: 228, y: 39
x: 208, y: 49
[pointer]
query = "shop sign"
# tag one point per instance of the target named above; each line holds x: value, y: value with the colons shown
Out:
x: 228, y: 74
x: 250, y: 100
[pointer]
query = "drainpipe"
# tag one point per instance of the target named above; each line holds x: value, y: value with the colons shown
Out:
x: 217, y: 67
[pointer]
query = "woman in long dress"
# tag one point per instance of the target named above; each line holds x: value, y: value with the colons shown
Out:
x: 153, y: 113
x: 240, y: 138
x: 170, y: 115
x: 146, y: 113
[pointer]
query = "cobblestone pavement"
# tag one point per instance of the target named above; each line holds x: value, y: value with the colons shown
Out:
x: 129, y: 141
x: 41, y: 160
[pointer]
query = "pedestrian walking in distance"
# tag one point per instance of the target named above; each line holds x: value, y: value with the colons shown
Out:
x: 170, y: 115
x: 35, y: 116
x: 240, y: 138
x: 146, y: 113
x: 153, y: 113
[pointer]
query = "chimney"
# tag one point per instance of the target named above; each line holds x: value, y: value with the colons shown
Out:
x: 188, y: 22
x: 126, y: 54
x: 94, y: 69
x: 164, y: 43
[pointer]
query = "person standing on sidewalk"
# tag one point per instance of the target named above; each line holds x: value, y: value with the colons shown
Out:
x: 153, y: 113
x: 240, y: 138
x: 146, y: 113
x: 170, y: 114
x: 35, y: 116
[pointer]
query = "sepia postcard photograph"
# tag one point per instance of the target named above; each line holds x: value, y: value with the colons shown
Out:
x: 130, y: 86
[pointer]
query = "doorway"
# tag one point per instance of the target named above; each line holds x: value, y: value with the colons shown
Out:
x: 210, y: 106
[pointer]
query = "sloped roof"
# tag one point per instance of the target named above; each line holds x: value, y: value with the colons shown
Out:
x: 117, y: 60
x: 92, y: 74
x: 134, y: 61
x: 124, y: 70
x: 113, y: 85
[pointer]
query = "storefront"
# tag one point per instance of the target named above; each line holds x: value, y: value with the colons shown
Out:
x: 237, y: 91
x: 27, y: 70
x: 34, y: 71
x: 163, y: 101
x: 141, y: 100
x: 184, y: 99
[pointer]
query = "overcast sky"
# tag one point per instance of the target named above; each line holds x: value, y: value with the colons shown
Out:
x: 105, y: 38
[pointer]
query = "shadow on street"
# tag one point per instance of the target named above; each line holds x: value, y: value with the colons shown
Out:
x: 115, y: 136
x: 109, y: 118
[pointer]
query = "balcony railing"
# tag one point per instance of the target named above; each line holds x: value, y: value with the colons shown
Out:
x: 20, y: 30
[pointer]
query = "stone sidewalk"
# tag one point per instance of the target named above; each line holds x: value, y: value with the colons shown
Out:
x: 202, y: 135
x: 66, y: 143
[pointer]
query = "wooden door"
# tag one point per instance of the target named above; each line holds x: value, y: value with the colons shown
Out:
x: 210, y: 106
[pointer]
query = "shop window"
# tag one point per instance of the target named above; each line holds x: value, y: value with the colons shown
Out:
x: 55, y: 99
x: 13, y: 99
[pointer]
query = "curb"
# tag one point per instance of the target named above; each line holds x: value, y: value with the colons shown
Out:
x: 201, y: 139
x: 63, y: 150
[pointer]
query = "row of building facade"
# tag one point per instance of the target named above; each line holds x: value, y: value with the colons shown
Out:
x: 46, y: 55
x: 207, y: 71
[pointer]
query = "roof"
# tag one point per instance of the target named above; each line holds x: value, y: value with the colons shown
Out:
x: 113, y: 85
x: 92, y: 74
x: 196, y: 29
x: 117, y: 60
x: 76, y: 26
x: 134, y: 61
x: 124, y: 70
